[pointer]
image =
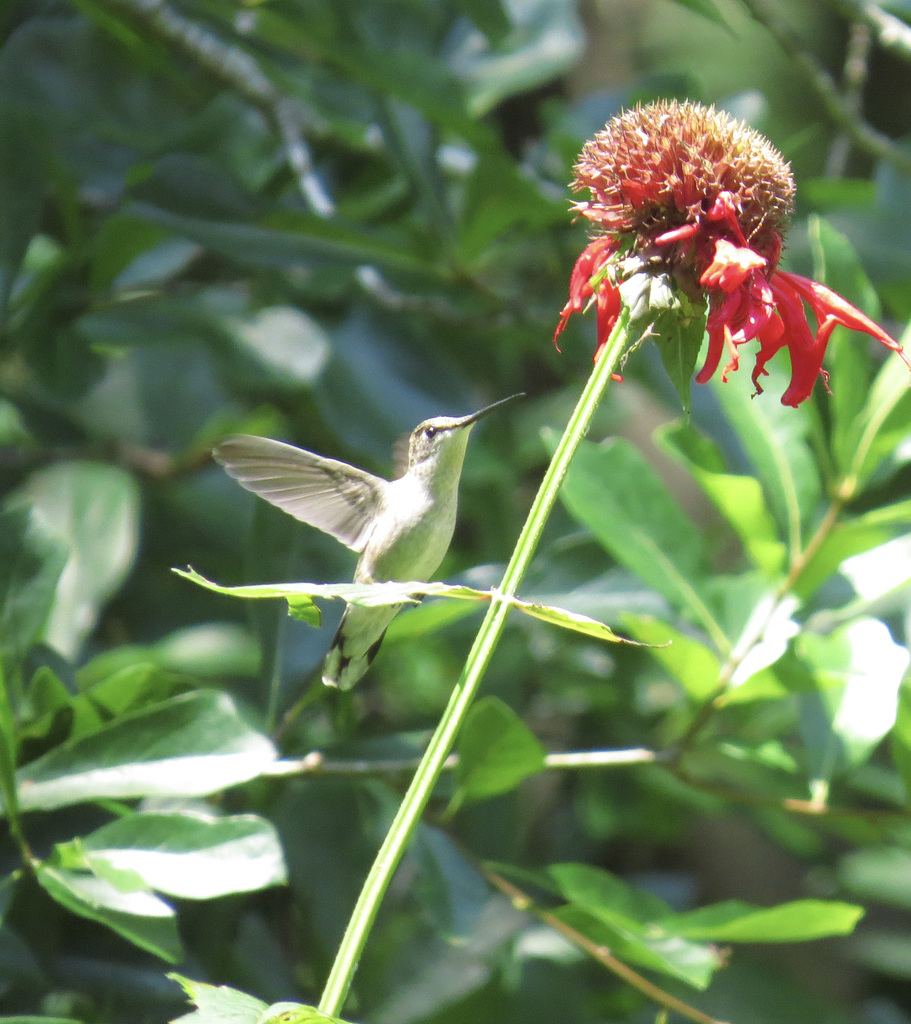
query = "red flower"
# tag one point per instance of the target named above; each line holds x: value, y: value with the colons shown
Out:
x: 703, y: 199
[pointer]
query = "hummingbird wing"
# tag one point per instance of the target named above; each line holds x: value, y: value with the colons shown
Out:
x: 336, y: 498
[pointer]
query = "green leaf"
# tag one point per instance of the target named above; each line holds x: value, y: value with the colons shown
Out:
x: 612, y: 490
x: 8, y: 760
x: 858, y: 670
x: 774, y: 438
x: 656, y: 950
x: 290, y: 347
x: 39, y: 1020
x: 449, y: 887
x: 191, y: 855
x: 707, y: 9
x: 499, y: 198
x: 679, y: 339
x: 545, y: 40
x: 218, y: 1004
x: 574, y: 621
x: 837, y: 194
x: 131, y: 253
x: 877, y: 431
x: 208, y: 650
x: 847, y: 539
x: 487, y: 15
x: 293, y: 1013
x: 765, y: 768
x: 598, y: 891
x: 301, y: 603
x: 416, y: 76
x: 289, y: 239
x: 427, y: 618
x: 659, y: 310
x: 141, y: 917
x: 740, y: 499
x: 886, y: 950
x: 798, y: 921
x: 848, y: 356
x: 496, y: 750
x: 877, y: 568
x: 881, y: 873
x: 689, y: 661
x: 627, y: 920
x: 190, y: 745
x: 128, y: 689
x: 94, y: 509
x: 31, y: 561
x: 901, y: 736
x: 22, y: 185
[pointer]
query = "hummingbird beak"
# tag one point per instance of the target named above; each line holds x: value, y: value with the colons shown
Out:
x: 475, y: 416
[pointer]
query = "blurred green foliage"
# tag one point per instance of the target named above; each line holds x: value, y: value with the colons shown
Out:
x: 324, y: 223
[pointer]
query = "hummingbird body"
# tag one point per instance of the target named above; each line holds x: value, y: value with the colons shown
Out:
x: 402, y: 527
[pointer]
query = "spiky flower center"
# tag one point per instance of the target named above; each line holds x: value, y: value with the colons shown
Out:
x: 664, y: 165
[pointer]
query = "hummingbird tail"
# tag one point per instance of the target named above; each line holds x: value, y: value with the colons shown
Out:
x: 345, y: 662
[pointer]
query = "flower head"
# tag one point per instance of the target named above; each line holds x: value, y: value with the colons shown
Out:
x: 688, y: 194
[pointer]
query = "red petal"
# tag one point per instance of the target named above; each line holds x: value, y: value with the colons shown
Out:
x: 590, y: 261
x: 713, y: 357
x: 806, y: 350
x: 731, y: 266
x: 826, y: 303
x: 726, y: 209
x: 608, y: 311
x: 680, y: 234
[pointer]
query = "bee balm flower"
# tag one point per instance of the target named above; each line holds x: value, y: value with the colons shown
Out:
x: 692, y: 206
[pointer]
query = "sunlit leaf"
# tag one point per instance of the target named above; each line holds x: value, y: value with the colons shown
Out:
x: 292, y: 1013
x: 94, y: 510
x: 858, y: 670
x: 219, y: 1004
x: 799, y: 921
x: 190, y: 745
x: 141, y: 917
x: 32, y: 558
x: 191, y: 855
x: 301, y: 603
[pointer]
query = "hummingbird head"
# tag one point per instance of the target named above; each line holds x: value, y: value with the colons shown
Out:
x: 441, y: 441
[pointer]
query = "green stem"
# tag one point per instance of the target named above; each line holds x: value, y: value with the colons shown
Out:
x: 433, y: 761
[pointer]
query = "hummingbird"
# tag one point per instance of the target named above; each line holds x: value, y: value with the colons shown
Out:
x: 401, y: 528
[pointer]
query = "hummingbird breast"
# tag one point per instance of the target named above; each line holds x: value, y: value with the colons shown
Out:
x: 411, y: 535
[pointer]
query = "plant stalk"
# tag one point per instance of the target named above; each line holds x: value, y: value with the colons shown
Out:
x: 434, y: 759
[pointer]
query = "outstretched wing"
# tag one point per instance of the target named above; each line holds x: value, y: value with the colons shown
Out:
x: 336, y: 498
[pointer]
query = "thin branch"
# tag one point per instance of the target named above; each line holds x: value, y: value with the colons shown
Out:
x: 856, y: 69
x: 862, y: 134
x: 316, y: 763
x: 235, y: 68
x: 806, y: 808
x: 522, y: 901
x: 892, y: 33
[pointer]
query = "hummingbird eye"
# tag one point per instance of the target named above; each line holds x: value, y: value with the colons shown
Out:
x: 430, y: 433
